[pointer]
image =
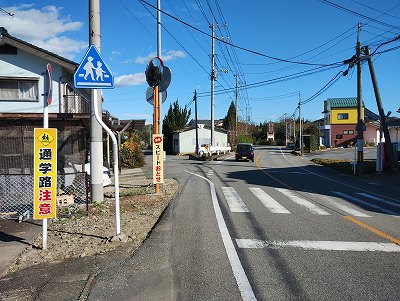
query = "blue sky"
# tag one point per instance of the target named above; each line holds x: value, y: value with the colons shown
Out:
x: 315, y: 32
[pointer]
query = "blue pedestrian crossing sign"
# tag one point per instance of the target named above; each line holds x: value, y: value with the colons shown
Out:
x: 93, y: 72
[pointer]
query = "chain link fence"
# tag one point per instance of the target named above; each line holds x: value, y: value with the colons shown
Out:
x: 16, y: 195
x: 16, y: 168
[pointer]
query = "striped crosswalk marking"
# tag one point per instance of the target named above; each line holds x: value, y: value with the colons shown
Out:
x: 364, y: 203
x: 373, y: 197
x: 355, y: 246
x: 234, y: 201
x: 302, y: 202
x: 268, y: 201
x: 343, y: 207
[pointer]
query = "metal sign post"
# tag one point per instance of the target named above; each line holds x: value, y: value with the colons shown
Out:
x: 45, y: 164
x: 154, y: 77
x: 93, y: 73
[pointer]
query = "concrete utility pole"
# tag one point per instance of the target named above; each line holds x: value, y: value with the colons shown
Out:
x: 96, y: 131
x: 300, y: 128
x: 360, y: 118
x: 197, y: 126
x: 284, y: 118
x: 212, y: 83
x: 237, y: 108
x: 294, y: 130
x: 393, y: 161
x: 159, y: 53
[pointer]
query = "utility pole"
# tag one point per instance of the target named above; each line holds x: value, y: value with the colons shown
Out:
x: 197, y: 127
x: 284, y: 118
x: 393, y: 162
x: 212, y: 83
x: 360, y: 118
x: 237, y: 108
x: 96, y: 131
x: 159, y: 53
x: 247, y: 117
x: 294, y: 131
x: 300, y: 129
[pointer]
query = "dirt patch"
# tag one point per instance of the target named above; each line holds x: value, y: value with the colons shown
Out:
x: 81, y: 235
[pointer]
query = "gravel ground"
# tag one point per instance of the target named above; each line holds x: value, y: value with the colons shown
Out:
x: 83, y: 235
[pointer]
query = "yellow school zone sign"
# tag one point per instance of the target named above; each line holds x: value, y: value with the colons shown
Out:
x: 45, y: 173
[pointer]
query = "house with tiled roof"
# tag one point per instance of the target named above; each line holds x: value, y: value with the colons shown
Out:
x: 24, y: 84
x: 340, y: 120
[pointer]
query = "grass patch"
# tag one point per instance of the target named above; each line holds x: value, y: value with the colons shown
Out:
x: 346, y: 166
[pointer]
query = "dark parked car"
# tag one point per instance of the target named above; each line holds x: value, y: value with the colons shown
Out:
x: 244, y: 151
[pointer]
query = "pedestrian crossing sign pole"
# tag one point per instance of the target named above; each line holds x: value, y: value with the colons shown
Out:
x: 93, y: 72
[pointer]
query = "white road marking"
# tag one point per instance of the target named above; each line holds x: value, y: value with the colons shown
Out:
x: 220, y: 162
x: 379, y: 199
x: 327, y: 178
x: 302, y: 202
x: 364, y: 203
x: 242, y: 281
x: 268, y: 201
x: 234, y: 201
x: 340, y: 206
x: 319, y: 245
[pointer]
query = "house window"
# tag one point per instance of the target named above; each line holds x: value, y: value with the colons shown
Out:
x: 19, y: 90
x: 342, y: 116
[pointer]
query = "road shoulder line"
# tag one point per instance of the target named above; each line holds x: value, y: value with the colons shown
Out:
x: 242, y: 281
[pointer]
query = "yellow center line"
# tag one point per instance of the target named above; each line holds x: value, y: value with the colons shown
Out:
x: 349, y: 218
x: 266, y: 173
x: 372, y: 229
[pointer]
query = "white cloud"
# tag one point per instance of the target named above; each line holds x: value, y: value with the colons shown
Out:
x: 44, y: 27
x: 130, y: 80
x: 145, y: 59
x: 172, y: 54
x: 63, y: 46
x: 168, y: 56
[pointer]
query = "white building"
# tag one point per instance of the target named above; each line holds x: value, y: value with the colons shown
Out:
x: 184, y: 141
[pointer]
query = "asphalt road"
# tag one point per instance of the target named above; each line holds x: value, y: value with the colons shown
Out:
x: 280, y: 228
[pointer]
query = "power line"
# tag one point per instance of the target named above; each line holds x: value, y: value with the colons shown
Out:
x: 374, y: 9
x: 283, y: 96
x: 239, y: 47
x: 274, y: 80
x: 324, y: 88
x: 175, y: 39
x: 6, y: 12
x: 137, y: 19
x: 197, y: 42
x: 385, y: 43
x: 357, y: 14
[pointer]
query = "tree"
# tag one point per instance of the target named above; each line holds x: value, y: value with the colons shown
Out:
x: 280, y: 137
x: 176, y: 119
x: 312, y: 130
x: 230, y: 122
x: 230, y: 118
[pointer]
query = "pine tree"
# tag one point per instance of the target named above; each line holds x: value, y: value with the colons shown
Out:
x: 230, y: 118
x: 230, y: 122
x: 175, y: 119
